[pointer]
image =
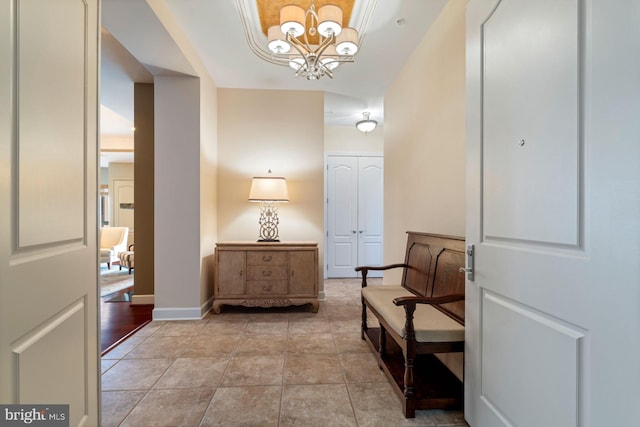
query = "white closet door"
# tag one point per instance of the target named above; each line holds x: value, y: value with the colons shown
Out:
x: 342, y: 216
x: 370, y: 212
x: 354, y: 214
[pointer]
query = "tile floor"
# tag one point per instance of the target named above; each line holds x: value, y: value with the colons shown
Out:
x: 286, y: 367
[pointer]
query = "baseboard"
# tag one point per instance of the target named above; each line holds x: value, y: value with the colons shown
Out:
x: 322, y: 296
x: 142, y: 299
x: 206, y: 307
x: 187, y: 313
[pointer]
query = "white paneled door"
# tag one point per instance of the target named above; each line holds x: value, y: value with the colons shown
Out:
x: 553, y: 209
x: 48, y: 197
x: 354, y: 214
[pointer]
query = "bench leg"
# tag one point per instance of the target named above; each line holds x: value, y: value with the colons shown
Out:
x: 409, y: 354
x: 363, y: 327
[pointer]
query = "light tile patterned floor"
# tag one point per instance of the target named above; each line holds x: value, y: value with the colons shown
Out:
x: 284, y: 367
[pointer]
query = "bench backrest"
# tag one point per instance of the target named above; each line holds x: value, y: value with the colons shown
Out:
x: 434, y: 263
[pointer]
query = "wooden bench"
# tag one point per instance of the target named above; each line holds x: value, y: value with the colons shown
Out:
x: 423, y: 315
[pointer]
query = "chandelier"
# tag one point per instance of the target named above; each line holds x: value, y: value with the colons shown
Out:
x: 290, y: 42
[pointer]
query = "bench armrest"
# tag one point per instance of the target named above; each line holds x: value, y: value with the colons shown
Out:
x: 401, y: 301
x: 409, y: 305
x: 381, y: 267
x: 365, y: 269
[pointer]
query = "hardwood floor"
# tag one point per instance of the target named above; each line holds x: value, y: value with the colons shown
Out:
x: 120, y: 319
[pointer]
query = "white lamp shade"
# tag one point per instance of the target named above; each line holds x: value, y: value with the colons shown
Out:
x: 329, y: 20
x: 297, y: 62
x: 347, y: 42
x: 269, y: 189
x: 277, y: 40
x: 329, y: 59
x: 292, y: 20
x: 366, y: 125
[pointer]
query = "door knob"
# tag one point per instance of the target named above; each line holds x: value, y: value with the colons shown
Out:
x: 361, y: 231
x: 465, y: 270
x: 353, y: 231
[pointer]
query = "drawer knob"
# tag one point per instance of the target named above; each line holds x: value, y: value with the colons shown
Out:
x: 266, y: 272
x: 266, y: 287
x: 266, y: 257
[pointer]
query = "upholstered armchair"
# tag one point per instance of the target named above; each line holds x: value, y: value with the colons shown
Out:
x: 113, y: 240
x: 127, y: 259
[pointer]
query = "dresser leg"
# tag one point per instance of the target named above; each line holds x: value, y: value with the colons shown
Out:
x: 315, y: 306
x: 215, y: 308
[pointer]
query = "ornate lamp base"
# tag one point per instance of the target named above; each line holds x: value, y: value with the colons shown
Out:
x: 268, y: 222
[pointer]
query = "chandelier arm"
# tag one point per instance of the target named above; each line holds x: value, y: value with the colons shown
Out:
x: 326, y: 71
x: 324, y: 44
x: 297, y: 44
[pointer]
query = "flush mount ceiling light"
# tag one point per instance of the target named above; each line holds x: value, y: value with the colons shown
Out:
x: 366, y: 125
x: 313, y: 41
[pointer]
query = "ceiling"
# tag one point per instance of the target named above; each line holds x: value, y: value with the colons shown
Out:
x: 138, y: 47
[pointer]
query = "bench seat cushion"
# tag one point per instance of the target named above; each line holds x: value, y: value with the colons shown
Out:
x: 431, y: 325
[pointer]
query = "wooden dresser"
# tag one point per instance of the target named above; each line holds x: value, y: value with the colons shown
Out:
x: 266, y: 274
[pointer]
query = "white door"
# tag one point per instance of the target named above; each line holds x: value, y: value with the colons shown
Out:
x: 48, y: 197
x: 342, y: 216
x: 354, y: 214
x: 370, y: 211
x: 553, y: 209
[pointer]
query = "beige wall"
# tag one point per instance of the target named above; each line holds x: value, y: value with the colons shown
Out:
x: 348, y: 139
x: 424, y: 138
x: 283, y: 131
x: 424, y: 146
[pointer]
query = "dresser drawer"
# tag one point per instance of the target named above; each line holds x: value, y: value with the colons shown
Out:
x: 267, y: 287
x: 267, y: 272
x: 267, y: 258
